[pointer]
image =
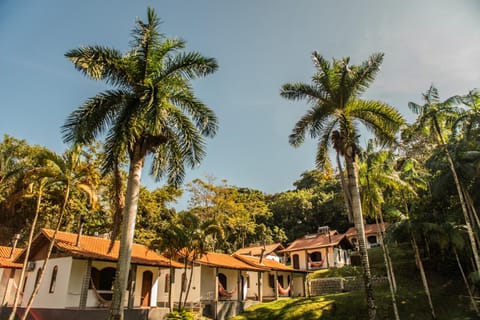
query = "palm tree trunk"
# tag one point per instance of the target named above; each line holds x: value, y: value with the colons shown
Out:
x: 347, y: 198
x: 418, y: 259
x: 170, y: 278
x: 126, y: 239
x: 470, y: 294
x: 182, y: 283
x: 359, y: 226
x: 388, y: 264
x: 49, y: 253
x: 468, y: 224
x: 189, y: 284
x: 27, y: 254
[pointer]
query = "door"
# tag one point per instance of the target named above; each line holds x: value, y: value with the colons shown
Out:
x: 147, y: 278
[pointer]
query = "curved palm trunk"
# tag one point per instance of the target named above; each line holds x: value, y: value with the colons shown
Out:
x: 27, y: 254
x: 359, y: 226
x: 126, y: 239
x: 189, y: 284
x: 461, y: 196
x: 182, y: 283
x: 465, y: 281
x: 49, y: 253
x: 418, y: 259
x: 170, y: 301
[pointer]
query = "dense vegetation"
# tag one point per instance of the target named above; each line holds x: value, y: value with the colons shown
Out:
x: 419, y: 177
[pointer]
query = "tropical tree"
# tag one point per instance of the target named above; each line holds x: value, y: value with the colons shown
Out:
x: 67, y: 174
x: 336, y: 108
x: 433, y: 116
x: 151, y: 110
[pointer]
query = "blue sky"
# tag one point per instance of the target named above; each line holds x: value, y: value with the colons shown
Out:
x: 259, y: 45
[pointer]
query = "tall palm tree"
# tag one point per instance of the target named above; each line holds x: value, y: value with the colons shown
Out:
x: 432, y: 116
x: 151, y: 110
x: 336, y: 108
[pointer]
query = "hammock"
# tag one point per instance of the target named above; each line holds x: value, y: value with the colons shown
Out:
x: 316, y: 264
x: 282, y: 291
x: 225, y: 293
x: 102, y: 302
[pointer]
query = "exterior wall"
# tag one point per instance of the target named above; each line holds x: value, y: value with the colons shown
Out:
x: 207, y: 283
x: 252, y: 289
x: 298, y: 286
x: 9, y: 278
x: 137, y: 296
x: 332, y: 257
x: 44, y: 298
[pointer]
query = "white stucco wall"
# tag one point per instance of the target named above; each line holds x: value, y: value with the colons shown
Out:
x: 8, y: 285
x: 44, y: 298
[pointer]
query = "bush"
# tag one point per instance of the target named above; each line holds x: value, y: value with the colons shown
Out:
x: 180, y: 315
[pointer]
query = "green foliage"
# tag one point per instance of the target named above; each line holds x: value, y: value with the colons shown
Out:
x: 180, y: 315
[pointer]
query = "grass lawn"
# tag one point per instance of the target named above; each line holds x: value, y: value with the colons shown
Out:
x: 449, y: 296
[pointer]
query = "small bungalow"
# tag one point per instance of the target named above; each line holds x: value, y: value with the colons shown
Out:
x: 270, y: 251
x: 321, y: 250
x: 80, y: 274
x: 372, y: 234
x: 9, y: 274
x: 277, y: 280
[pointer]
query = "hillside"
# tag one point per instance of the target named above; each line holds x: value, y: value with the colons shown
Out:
x: 448, y: 293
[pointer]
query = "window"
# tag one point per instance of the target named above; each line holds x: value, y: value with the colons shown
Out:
x: 271, y: 281
x: 39, y: 272
x: 316, y: 256
x: 223, y: 280
x: 280, y: 280
x: 53, y: 280
x: 184, y: 282
x: 372, y: 239
x: 296, y: 261
x: 167, y: 283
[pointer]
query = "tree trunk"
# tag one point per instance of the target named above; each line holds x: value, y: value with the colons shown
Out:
x: 418, y: 259
x: 126, y: 239
x: 359, y: 226
x: 49, y: 253
x: 170, y: 279
x: 189, y: 283
x: 388, y: 264
x: 27, y: 254
x: 470, y: 294
x: 346, y: 193
x: 182, y: 284
x: 460, y: 196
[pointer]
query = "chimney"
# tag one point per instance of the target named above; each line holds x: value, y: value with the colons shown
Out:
x: 80, y: 228
x: 15, y: 239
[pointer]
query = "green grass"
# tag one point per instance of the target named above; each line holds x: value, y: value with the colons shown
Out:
x: 448, y: 296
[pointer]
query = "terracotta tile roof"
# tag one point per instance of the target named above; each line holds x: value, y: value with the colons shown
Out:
x: 266, y: 263
x: 316, y: 240
x: 257, y: 250
x: 226, y: 261
x: 5, y: 261
x: 369, y: 229
x: 96, y: 248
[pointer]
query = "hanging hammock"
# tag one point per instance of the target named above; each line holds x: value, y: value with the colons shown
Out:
x: 282, y: 291
x: 225, y: 293
x: 102, y: 302
x: 316, y: 264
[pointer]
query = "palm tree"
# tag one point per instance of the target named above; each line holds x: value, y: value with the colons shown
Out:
x: 432, y: 115
x: 68, y: 174
x: 335, y: 110
x: 152, y: 110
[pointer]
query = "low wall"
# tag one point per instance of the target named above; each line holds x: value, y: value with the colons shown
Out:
x: 226, y: 308
x: 335, y: 285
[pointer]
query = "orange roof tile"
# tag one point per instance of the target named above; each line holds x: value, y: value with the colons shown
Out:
x: 6, y: 261
x: 317, y: 240
x: 222, y: 260
x: 266, y: 263
x: 257, y: 250
x: 96, y: 248
x: 369, y: 229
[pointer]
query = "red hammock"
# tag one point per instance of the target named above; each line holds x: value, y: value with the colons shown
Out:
x: 225, y: 293
x: 282, y: 291
x: 316, y: 264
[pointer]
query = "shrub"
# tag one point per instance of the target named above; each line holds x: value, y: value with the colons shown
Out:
x: 180, y: 315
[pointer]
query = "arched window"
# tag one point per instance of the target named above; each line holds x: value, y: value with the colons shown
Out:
x: 223, y: 280
x: 271, y: 280
x: 167, y: 283
x: 106, y: 279
x: 316, y: 256
x: 296, y: 261
x: 53, y: 280
x: 39, y: 271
